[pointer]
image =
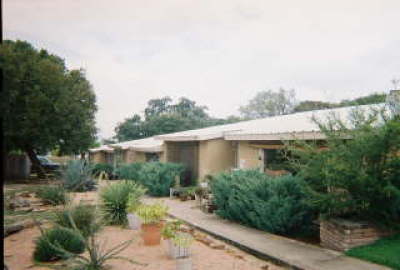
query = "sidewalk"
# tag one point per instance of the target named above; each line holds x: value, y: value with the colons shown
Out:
x: 277, y: 249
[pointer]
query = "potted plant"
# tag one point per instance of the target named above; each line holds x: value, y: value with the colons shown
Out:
x: 184, y: 195
x: 169, y: 232
x: 151, y: 217
x: 132, y: 205
x: 191, y: 193
x: 181, y: 243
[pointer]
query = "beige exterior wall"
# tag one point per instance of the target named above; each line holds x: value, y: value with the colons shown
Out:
x: 140, y: 157
x: 215, y: 156
x: 97, y: 157
x: 248, y: 157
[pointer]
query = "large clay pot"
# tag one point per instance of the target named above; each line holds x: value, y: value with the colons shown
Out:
x: 151, y: 234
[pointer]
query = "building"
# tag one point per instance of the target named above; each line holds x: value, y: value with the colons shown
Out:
x: 141, y: 150
x: 253, y: 144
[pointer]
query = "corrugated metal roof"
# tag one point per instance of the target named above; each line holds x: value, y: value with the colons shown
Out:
x: 145, y: 145
x: 104, y: 148
x: 283, y: 124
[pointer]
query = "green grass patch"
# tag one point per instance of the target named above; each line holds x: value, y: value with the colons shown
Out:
x: 385, y: 251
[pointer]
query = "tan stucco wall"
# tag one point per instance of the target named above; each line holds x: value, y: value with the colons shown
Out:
x: 248, y: 156
x: 140, y: 157
x: 215, y: 156
x: 97, y: 157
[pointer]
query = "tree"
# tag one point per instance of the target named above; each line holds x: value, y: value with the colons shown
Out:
x: 45, y: 105
x: 130, y: 129
x: 269, y: 103
x: 369, y: 99
x: 162, y: 117
x: 357, y: 174
x: 310, y: 105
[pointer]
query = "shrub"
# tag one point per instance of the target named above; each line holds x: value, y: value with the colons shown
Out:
x: 129, y: 171
x: 159, y: 177
x: 54, y: 195
x: 356, y: 178
x: 114, y: 201
x: 102, y: 167
x: 84, y: 217
x: 50, y: 244
x: 274, y: 204
x: 152, y: 214
x: 77, y: 176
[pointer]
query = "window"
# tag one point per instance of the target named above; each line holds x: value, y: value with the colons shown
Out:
x: 274, y: 159
x: 152, y: 157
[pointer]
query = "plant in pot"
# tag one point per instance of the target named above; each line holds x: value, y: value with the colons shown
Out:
x: 181, y: 244
x: 191, y: 193
x: 168, y: 232
x: 184, y: 195
x: 132, y: 205
x: 151, y: 217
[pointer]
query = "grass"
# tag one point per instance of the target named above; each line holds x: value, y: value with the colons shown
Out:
x: 385, y: 251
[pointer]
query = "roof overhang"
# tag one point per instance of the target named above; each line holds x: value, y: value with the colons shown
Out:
x: 173, y: 138
x: 147, y: 149
x: 313, y: 135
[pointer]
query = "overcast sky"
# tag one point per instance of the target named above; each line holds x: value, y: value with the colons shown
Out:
x: 216, y: 52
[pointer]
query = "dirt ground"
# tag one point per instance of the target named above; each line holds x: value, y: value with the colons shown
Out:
x: 19, y: 248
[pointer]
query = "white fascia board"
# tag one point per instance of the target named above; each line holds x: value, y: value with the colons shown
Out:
x: 190, y: 138
x: 276, y: 137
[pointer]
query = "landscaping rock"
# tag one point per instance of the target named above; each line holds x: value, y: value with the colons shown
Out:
x: 10, y: 229
x: 18, y: 203
x: 217, y: 246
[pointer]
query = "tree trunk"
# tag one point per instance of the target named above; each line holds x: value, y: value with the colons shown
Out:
x: 36, y: 163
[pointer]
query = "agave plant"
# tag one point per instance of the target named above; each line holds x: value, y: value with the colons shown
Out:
x: 97, y: 254
x: 77, y: 176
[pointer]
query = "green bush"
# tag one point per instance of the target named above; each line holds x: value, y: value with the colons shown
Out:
x: 129, y: 171
x: 50, y: 245
x: 84, y: 217
x: 102, y: 167
x: 114, y: 201
x: 159, y: 177
x: 54, y: 195
x: 77, y: 176
x: 273, y: 204
x: 356, y: 178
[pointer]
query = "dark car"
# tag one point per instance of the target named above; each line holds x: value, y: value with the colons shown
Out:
x: 48, y: 165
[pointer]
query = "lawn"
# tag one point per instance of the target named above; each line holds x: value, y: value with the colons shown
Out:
x: 385, y: 251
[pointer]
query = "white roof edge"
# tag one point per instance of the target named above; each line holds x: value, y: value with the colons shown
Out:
x: 189, y: 138
x: 314, y: 135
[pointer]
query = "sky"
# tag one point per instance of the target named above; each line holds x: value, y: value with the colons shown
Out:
x: 219, y: 53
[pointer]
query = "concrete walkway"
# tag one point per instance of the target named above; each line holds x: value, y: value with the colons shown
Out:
x: 277, y: 249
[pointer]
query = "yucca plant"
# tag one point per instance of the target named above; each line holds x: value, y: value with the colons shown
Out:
x: 83, y: 215
x: 54, y: 195
x: 77, y: 176
x: 50, y: 242
x: 97, y: 254
x: 114, y: 200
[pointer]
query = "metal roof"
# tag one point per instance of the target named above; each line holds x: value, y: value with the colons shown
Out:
x: 142, y: 145
x: 296, y: 125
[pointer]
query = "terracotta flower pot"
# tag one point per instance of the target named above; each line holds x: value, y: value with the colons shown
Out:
x: 151, y: 234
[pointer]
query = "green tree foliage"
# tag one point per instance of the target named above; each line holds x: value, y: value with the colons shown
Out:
x: 310, y: 105
x: 276, y: 205
x: 44, y: 105
x: 162, y: 116
x: 357, y: 176
x: 364, y: 100
x: 269, y: 103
